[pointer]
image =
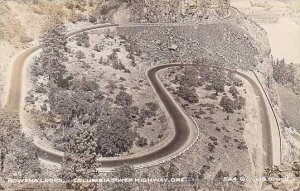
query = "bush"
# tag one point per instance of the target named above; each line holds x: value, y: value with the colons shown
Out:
x: 64, y: 82
x: 113, y: 57
x: 284, y: 73
x: 92, y: 19
x: 190, y: 78
x: 234, y: 92
x: 80, y: 55
x: 88, y: 85
x: 98, y: 47
x: 152, y: 106
x: 239, y: 102
x: 227, y: 104
x: 188, y: 94
x: 123, y: 99
x: 115, y: 136
x: 107, y: 7
x: 83, y: 39
x: 141, y: 142
x: 237, y: 82
x: 218, y: 86
x: 41, y: 89
x: 118, y: 65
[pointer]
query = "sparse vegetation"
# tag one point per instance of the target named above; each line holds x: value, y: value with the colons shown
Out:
x: 83, y: 39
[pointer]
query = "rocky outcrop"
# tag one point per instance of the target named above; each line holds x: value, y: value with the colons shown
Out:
x: 284, y: 177
x: 178, y: 11
x: 164, y: 10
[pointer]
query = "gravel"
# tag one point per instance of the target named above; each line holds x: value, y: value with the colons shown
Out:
x: 220, y: 41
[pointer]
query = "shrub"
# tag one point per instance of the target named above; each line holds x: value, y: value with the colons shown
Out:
x: 83, y: 39
x: 92, y: 19
x: 80, y: 55
x: 234, y: 92
x: 105, y: 8
x: 98, y: 47
x: 88, y: 85
x: 237, y: 82
x: 113, y: 57
x: 218, y: 86
x: 188, y: 94
x: 64, y: 82
x: 227, y: 104
x: 284, y: 73
x: 41, y: 89
x: 239, y: 102
x: 123, y: 99
x: 118, y: 65
x: 152, y: 106
x: 211, y: 147
x: 141, y: 142
x: 115, y: 136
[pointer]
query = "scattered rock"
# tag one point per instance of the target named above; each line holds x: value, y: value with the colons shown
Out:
x: 159, y: 42
x: 173, y: 47
x: 296, y: 166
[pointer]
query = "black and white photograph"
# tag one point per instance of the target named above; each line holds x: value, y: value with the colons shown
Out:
x: 150, y: 95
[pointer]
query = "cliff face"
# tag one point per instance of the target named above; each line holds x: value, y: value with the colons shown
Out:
x: 165, y: 10
x: 177, y: 11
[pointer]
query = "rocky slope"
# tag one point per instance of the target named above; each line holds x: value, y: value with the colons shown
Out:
x: 162, y: 11
x: 284, y: 177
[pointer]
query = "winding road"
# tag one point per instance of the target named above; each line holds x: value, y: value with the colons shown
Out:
x: 186, y: 131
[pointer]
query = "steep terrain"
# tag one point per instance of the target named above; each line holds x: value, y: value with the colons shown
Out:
x: 22, y: 23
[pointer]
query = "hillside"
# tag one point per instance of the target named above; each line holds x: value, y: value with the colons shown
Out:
x: 22, y: 23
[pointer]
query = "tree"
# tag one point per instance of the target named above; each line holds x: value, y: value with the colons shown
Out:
x: 194, y: 179
x: 123, y: 99
x: 141, y: 142
x: 239, y: 102
x: 218, y: 181
x: 169, y: 172
x: 92, y: 19
x: 83, y: 39
x: 52, y: 57
x: 218, y: 86
x: 61, y: 104
x: 234, y: 92
x: 122, y: 172
x: 80, y: 55
x: 115, y: 136
x: 9, y: 125
x: 18, y: 154
x: 87, y: 85
x: 218, y: 80
x: 80, y: 157
x: 190, y: 78
x: 22, y: 158
x: 98, y: 48
x: 284, y: 73
x: 187, y: 94
x: 227, y: 104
